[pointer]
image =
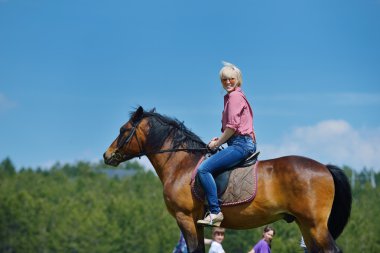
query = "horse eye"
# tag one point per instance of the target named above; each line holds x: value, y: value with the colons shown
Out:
x: 123, y: 130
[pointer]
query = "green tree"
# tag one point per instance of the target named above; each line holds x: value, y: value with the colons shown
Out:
x: 7, y: 167
x: 78, y: 208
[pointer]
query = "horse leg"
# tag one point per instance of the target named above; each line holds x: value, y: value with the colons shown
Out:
x: 319, y: 240
x: 193, y: 234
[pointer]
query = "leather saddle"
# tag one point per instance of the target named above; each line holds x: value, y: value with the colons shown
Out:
x: 222, y: 179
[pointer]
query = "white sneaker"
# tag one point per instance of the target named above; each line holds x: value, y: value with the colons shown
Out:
x: 211, y: 219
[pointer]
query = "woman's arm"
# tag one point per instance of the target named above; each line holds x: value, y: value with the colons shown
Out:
x: 216, y: 142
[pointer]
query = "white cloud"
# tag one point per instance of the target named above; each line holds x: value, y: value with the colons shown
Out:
x: 331, y: 141
x: 5, y: 103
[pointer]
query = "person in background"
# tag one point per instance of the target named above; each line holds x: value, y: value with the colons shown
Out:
x: 264, y: 245
x: 303, y: 245
x: 217, y: 239
x: 237, y: 132
x: 181, y: 246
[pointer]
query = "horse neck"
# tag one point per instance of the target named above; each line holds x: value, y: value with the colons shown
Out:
x: 171, y: 166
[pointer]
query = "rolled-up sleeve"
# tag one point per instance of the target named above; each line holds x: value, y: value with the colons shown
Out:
x: 232, y: 111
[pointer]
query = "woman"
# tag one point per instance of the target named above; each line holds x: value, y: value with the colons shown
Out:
x: 237, y: 131
x: 264, y: 245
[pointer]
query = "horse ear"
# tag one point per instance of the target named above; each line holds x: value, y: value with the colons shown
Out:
x: 138, y: 114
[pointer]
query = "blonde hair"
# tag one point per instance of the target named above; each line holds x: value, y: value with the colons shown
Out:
x: 231, y: 71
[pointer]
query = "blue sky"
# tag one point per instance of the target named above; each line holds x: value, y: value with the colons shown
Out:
x: 71, y: 71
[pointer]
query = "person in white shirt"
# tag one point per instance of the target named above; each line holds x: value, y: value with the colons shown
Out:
x: 217, y: 239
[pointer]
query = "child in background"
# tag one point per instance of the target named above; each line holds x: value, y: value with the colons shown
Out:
x: 264, y: 245
x: 217, y: 239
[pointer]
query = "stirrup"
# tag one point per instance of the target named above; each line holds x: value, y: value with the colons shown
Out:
x: 208, y: 221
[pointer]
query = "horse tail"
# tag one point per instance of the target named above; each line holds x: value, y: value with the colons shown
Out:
x: 341, y: 209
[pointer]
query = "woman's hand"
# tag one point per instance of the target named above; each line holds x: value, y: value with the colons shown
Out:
x: 216, y: 142
x: 213, y: 144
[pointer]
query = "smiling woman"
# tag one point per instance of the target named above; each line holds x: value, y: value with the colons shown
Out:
x: 237, y: 132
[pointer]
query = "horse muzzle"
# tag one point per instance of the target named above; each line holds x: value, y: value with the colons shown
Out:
x: 114, y: 159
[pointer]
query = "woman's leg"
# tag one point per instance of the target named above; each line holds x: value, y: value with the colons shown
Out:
x: 214, y: 165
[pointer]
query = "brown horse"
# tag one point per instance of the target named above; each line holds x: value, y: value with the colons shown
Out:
x: 315, y: 196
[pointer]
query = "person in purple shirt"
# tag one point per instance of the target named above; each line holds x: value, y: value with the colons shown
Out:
x: 237, y: 132
x: 264, y: 245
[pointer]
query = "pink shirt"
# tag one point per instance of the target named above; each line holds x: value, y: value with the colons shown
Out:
x: 238, y: 114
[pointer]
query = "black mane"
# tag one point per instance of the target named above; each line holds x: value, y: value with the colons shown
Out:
x: 163, y: 127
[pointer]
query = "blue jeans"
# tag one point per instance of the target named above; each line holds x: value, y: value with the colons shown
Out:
x: 239, y: 148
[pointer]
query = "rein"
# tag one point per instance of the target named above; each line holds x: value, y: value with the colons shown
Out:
x: 142, y: 153
x: 172, y: 150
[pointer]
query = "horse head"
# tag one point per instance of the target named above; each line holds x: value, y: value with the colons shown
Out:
x: 150, y: 133
x: 130, y: 141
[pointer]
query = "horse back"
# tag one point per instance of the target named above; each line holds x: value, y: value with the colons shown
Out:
x: 289, y: 181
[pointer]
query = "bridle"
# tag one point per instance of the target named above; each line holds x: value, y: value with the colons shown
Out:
x: 121, y: 157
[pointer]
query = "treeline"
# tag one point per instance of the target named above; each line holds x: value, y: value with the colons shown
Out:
x: 83, y: 208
